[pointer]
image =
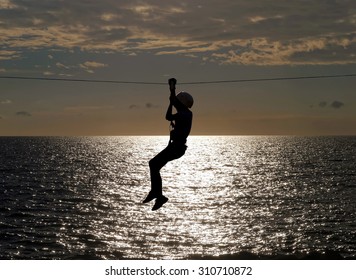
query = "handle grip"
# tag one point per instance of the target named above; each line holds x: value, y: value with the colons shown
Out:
x: 172, y: 82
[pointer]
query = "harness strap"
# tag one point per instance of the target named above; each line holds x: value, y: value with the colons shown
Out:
x: 171, y: 128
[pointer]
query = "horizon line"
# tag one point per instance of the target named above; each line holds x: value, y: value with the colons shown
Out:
x: 193, y: 135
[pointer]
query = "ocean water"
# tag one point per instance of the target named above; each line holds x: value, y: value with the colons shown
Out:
x: 80, y: 198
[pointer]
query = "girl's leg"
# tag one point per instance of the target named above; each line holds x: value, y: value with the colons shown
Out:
x: 156, y: 164
x: 160, y: 160
x: 156, y: 180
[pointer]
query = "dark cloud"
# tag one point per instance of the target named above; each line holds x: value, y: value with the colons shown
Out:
x: 337, y: 104
x: 150, y: 106
x: 23, y: 114
x: 262, y: 32
x: 107, y: 36
x: 323, y: 104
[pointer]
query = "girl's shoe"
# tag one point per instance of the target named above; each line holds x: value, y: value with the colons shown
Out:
x: 150, y: 196
x: 159, y: 202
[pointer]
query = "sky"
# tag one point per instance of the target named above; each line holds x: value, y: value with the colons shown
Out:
x: 152, y: 41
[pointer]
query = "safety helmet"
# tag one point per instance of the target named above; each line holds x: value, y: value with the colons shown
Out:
x: 186, y: 99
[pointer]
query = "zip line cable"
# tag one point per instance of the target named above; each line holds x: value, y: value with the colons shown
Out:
x: 184, y: 83
x: 80, y: 80
x: 270, y: 79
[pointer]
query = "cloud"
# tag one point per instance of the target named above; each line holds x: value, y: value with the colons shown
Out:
x: 9, y: 54
x: 23, y: 114
x: 226, y: 32
x: 62, y: 66
x: 7, y: 5
x: 337, y: 104
x: 6, y: 101
x: 150, y: 106
x: 48, y: 73
x: 93, y: 64
x: 323, y: 104
x: 87, y: 109
x: 90, y: 65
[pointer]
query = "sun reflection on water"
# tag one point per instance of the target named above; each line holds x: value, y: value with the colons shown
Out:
x: 262, y: 195
x: 222, y: 200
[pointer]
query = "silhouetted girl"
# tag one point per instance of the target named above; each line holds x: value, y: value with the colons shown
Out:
x: 181, y: 123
